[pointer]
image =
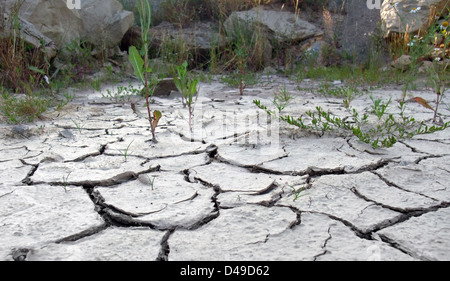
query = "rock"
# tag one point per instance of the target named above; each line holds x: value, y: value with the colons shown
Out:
x: 400, y: 19
x: 165, y: 87
x: 357, y: 29
x: 102, y: 23
x: 66, y: 134
x: 402, y: 63
x: 33, y: 36
x: 283, y: 26
x: 53, y: 19
x: 198, y: 39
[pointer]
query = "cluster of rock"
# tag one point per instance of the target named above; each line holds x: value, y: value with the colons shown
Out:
x: 57, y: 24
x: 52, y: 24
x: 415, y: 17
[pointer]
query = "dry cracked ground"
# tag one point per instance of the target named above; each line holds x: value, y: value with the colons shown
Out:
x: 87, y: 183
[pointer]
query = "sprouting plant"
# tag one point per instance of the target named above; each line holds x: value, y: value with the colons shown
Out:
x: 65, y: 181
x: 77, y: 125
x: 297, y: 193
x: 141, y: 67
x: 282, y: 99
x: 147, y: 180
x: 383, y: 133
x: 121, y: 94
x: 188, y: 89
x: 379, y: 108
x: 125, y: 151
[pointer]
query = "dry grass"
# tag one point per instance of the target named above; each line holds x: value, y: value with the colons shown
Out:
x: 16, y: 57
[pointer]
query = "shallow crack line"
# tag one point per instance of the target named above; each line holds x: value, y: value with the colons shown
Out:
x: 420, y: 159
x: 83, y: 234
x: 359, y: 233
x: 164, y: 252
x: 325, y: 251
x: 187, y: 199
x: 413, y: 149
x: 133, y: 215
x: 365, y: 150
x: 392, y: 208
x: 254, y: 168
x: 405, y: 214
x: 7, y: 193
x: 389, y: 183
x: 100, y: 151
x: 402, y: 248
x: 210, y: 150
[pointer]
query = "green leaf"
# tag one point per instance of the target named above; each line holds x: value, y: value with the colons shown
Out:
x: 156, y: 116
x: 35, y: 69
x: 137, y: 62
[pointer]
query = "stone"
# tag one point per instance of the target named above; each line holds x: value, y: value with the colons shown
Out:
x: 401, y: 19
x: 66, y: 134
x: 356, y: 30
x: 53, y: 19
x: 402, y: 63
x: 31, y: 35
x: 165, y: 87
x: 104, y: 22
x: 285, y: 27
x: 197, y: 40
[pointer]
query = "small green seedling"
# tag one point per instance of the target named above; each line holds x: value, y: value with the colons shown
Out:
x: 282, y: 99
x: 125, y: 151
x: 297, y: 193
x: 65, y: 178
x: 141, y: 65
x: 188, y: 89
x: 378, y: 107
x: 77, y: 125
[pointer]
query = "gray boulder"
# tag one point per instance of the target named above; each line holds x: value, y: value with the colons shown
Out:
x: 285, y: 27
x: 102, y: 23
x: 52, y: 18
x: 32, y: 36
x: 197, y: 39
x: 410, y: 15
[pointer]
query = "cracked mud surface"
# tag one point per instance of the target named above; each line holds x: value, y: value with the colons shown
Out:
x: 228, y: 191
